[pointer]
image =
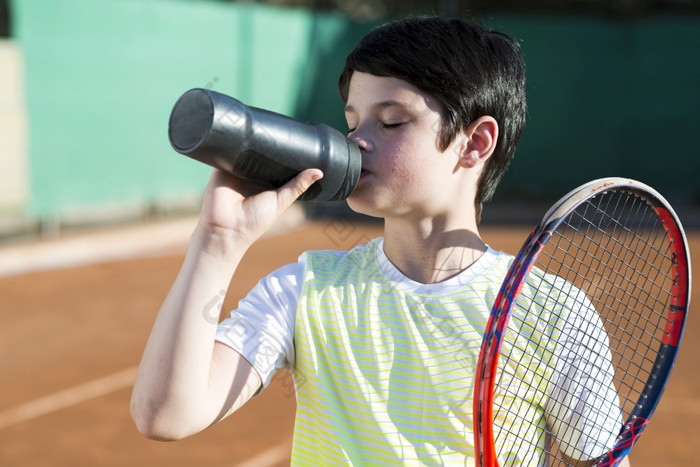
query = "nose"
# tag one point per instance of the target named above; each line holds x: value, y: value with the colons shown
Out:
x: 362, y: 141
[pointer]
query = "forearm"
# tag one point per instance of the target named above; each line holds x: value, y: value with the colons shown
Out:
x: 174, y: 394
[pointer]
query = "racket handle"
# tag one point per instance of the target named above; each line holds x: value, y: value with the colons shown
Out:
x: 262, y: 146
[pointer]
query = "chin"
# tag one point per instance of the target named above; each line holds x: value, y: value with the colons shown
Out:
x: 362, y: 207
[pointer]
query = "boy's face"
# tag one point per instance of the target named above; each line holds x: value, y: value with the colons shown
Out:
x: 396, y: 126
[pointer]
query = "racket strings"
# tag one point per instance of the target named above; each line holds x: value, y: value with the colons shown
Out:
x: 600, y: 301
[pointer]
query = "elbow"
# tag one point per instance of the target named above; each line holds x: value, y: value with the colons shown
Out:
x: 150, y: 430
x: 153, y: 433
x: 154, y: 424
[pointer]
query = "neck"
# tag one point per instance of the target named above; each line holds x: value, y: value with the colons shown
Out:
x: 432, y: 250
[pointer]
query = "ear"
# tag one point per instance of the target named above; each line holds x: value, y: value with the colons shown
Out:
x: 479, y: 142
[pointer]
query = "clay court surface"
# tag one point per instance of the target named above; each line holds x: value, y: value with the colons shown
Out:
x: 72, y: 336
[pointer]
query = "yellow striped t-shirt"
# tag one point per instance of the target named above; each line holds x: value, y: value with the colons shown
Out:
x: 384, y: 366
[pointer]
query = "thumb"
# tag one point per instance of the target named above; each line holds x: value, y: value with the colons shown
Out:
x: 294, y: 188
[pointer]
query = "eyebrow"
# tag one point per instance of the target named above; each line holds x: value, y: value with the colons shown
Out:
x: 381, y: 105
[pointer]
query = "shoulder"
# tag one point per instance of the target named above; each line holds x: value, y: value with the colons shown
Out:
x: 494, y: 264
x: 364, y: 253
x: 488, y: 273
x: 551, y: 285
x: 332, y: 266
x: 498, y: 259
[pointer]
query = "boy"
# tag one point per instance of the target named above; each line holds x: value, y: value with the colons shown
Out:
x: 383, y: 339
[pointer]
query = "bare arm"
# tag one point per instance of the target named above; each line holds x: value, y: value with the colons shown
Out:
x: 187, y: 381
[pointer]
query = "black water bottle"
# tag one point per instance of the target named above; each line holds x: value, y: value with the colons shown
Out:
x: 262, y: 146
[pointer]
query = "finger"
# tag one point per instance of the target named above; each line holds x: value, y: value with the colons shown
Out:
x: 289, y: 192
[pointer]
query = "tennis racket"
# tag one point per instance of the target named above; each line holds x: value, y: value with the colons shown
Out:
x: 584, y: 331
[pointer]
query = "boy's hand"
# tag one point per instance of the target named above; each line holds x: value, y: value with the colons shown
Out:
x: 235, y: 212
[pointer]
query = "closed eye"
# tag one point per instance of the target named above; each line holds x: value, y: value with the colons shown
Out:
x: 387, y: 126
x: 390, y: 125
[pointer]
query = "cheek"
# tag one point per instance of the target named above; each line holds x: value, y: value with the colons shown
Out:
x: 401, y: 164
x: 414, y: 161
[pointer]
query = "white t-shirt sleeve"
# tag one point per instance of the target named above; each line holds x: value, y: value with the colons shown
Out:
x: 261, y: 329
x: 583, y: 410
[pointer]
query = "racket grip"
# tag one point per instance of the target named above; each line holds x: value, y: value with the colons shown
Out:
x: 262, y: 146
